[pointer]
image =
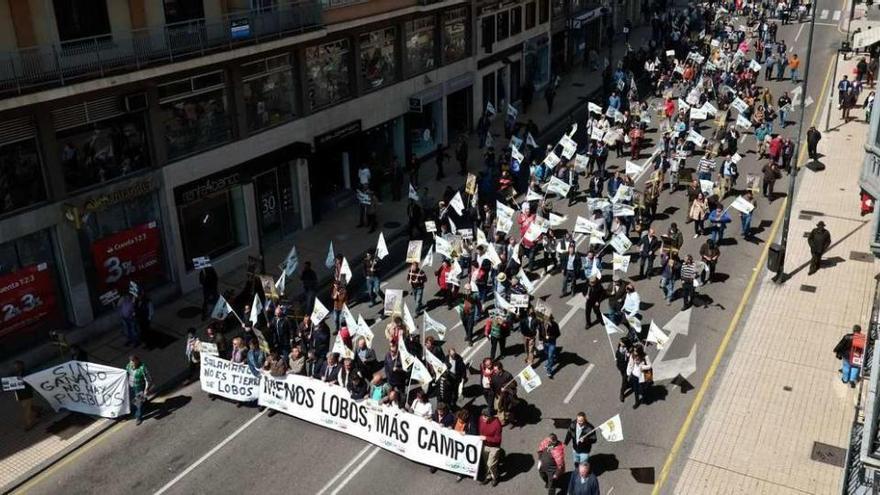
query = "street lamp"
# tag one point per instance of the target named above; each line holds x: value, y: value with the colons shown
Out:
x: 780, y: 277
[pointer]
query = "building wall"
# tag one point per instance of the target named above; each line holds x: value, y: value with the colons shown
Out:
x: 44, y: 21
x: 8, y: 41
x: 361, y: 10
x: 120, y: 18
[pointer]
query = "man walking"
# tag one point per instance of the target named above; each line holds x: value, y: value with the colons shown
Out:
x: 813, y: 137
x: 819, y: 241
x: 584, y: 482
x: 851, y: 352
x: 490, y: 430
x: 581, y: 435
x: 551, y: 462
x: 417, y: 278
x: 650, y: 244
x: 595, y: 293
x: 571, y: 266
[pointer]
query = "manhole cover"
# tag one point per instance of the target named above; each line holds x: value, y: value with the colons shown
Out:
x: 805, y: 217
x: 808, y: 288
x: 787, y: 388
x: 861, y: 256
x: 829, y: 454
x: 391, y: 225
x: 813, y: 212
x: 189, y: 312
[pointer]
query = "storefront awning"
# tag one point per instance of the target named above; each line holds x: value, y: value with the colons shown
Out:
x: 866, y: 38
x: 579, y: 21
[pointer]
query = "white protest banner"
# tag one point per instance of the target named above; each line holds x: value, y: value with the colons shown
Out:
x: 569, y: 151
x: 207, y: 348
x: 12, y: 383
x: 428, y: 260
x: 413, y: 195
x: 594, y: 204
x: 620, y: 262
x: 581, y: 161
x: 519, y: 300
x: 656, y: 336
x: 529, y: 379
x: 437, y: 366
x: 551, y: 160
x: 556, y: 220
x: 709, y: 109
x: 670, y: 53
x: 319, y: 311
x: 457, y: 204
x: 227, y: 379
x: 88, y: 388
x: 393, y: 303
x: 329, y: 261
x: 623, y: 210
x: 612, y: 430
x: 739, y: 105
x: 584, y: 225
x: 706, y: 186
x: 755, y: 66
x: 620, y: 243
x: 698, y: 114
x: 743, y: 205
x: 399, y: 432
x: 345, y: 271
x: 526, y: 281
x: 593, y: 108
x: 443, y: 247
x: 430, y: 226
x: 736, y: 158
x: 201, y: 262
x: 221, y: 309
x: 633, y: 169
x: 597, y: 134
x: 381, y: 247
x: 257, y: 308
x: 432, y: 324
x: 533, y: 195
x: 743, y: 122
x: 414, y: 251
x: 558, y: 187
x: 695, y: 137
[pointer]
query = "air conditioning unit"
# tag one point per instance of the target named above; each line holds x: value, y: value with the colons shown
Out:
x: 135, y: 102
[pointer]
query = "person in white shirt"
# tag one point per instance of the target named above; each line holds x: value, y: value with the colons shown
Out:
x: 632, y: 301
x: 421, y: 406
x: 364, y: 176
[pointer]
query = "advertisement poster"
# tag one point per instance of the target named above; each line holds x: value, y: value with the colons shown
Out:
x: 27, y: 298
x: 132, y: 254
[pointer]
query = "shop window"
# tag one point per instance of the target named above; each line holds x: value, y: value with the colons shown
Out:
x: 425, y: 130
x: 30, y: 304
x: 121, y: 244
x: 543, y: 11
x: 103, y: 151
x: 378, y: 64
x: 327, y: 73
x: 213, y: 225
x: 455, y: 35
x: 530, y: 15
x: 77, y: 19
x: 269, y: 91
x: 194, y: 113
x: 21, y: 176
x: 183, y: 10
x: 419, y: 45
x: 515, y: 20
x: 503, y: 25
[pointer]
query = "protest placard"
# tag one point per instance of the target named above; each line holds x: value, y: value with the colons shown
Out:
x: 227, y: 379
x: 519, y: 300
x: 707, y: 186
x: 414, y: 251
x: 743, y: 205
x: 529, y: 379
x: 201, y: 262
x: 551, y: 160
x: 83, y: 387
x: 633, y: 169
x: 593, y: 108
x: 581, y: 161
x: 393, y: 303
x: 620, y: 243
x: 12, y: 383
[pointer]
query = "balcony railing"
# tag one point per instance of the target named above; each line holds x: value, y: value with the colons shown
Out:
x: 31, y: 69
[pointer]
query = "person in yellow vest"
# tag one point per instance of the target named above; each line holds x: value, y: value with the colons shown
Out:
x: 851, y: 352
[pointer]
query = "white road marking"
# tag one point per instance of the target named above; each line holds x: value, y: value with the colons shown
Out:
x: 836, y: 15
x: 800, y: 30
x: 356, y: 470
x: 208, y: 454
x: 578, y: 384
x: 824, y: 14
x: 345, y: 469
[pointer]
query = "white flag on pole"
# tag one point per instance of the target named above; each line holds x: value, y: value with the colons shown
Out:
x: 530, y: 141
x: 610, y: 327
x: 221, y: 309
x: 743, y: 205
x: 420, y: 374
x: 633, y: 169
x: 381, y: 247
x: 406, y: 359
x: 529, y: 379
x: 340, y: 348
x: 281, y: 283
x: 256, y: 309
x: 429, y: 258
x: 363, y: 330
x: 612, y: 430
x: 443, y: 247
x: 331, y: 256
x: 413, y: 195
x: 345, y: 270
x: 408, y: 320
x: 291, y: 262
x: 526, y: 281
x: 432, y: 324
x: 436, y: 364
x: 656, y: 336
x: 319, y: 312
x: 457, y: 204
x: 558, y: 186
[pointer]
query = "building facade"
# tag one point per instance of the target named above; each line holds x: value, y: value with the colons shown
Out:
x: 869, y: 180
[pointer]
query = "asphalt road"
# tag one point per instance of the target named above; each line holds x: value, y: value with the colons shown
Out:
x: 184, y: 446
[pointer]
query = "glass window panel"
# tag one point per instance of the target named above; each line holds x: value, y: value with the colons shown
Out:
x: 530, y: 15
x: 454, y: 35
x: 378, y: 60
x: 103, y: 151
x: 21, y: 176
x: 269, y: 99
x: 195, y: 123
x: 515, y: 20
x: 419, y: 45
x: 503, y: 25
x: 327, y: 73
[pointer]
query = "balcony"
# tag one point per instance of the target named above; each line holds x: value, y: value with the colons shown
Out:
x: 40, y: 67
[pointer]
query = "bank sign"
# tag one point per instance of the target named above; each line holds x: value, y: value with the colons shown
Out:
x: 132, y: 254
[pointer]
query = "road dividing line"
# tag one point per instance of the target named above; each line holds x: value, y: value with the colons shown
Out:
x: 800, y: 30
x: 208, y: 454
x: 356, y: 470
x: 734, y: 322
x: 344, y: 469
x: 836, y: 15
x: 578, y: 384
x: 824, y: 14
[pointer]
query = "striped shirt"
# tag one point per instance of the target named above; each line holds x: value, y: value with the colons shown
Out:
x: 688, y: 271
x: 706, y: 166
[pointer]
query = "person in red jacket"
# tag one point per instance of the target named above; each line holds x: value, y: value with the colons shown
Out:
x: 490, y: 431
x: 551, y: 462
x: 447, y: 290
x: 775, y: 149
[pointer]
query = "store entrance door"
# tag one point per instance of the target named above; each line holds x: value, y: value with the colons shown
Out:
x: 333, y: 176
x: 268, y: 200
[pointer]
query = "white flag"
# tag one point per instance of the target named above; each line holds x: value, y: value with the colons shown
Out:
x: 511, y: 111
x: 408, y: 320
x: 633, y: 169
x: 331, y: 256
x: 593, y: 108
x: 281, y: 283
x: 381, y: 247
x: 551, y: 160
x: 432, y: 324
x: 443, y: 247
x: 529, y: 379
x: 319, y: 312
x: 656, y: 336
x: 620, y: 262
x: 743, y: 205
x: 610, y: 327
x: 490, y: 108
x: 406, y: 359
x: 557, y: 220
x: 363, y: 330
x: 530, y: 141
x: 420, y: 373
x: 429, y: 258
x: 291, y: 262
x: 413, y: 195
x: 256, y: 309
x: 481, y: 238
x: 612, y: 430
x: 558, y: 186
x: 345, y: 270
x: 533, y: 196
x: 436, y: 364
x: 584, y: 225
x: 457, y: 204
x: 340, y: 348
x: 221, y: 309
x: 350, y: 322
x: 452, y: 227
x: 526, y: 281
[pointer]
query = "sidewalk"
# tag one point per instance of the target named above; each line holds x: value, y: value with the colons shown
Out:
x: 23, y: 454
x: 779, y: 390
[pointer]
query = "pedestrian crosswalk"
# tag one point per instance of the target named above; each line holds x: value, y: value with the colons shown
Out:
x: 835, y: 15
